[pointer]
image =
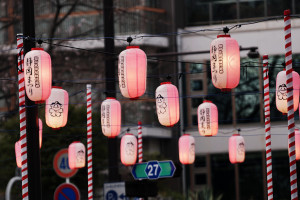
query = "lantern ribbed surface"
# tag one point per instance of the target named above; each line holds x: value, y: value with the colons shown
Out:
x: 207, y: 118
x: 128, y: 149
x: 186, y: 147
x: 76, y: 155
x: 111, y: 117
x: 236, y: 147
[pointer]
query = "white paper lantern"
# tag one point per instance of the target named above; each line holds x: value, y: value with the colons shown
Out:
x: 167, y: 104
x: 236, y: 149
x: 132, y: 72
x: 225, y: 62
x: 18, y: 154
x: 207, y: 118
x: 128, y: 149
x: 111, y: 117
x: 281, y: 91
x: 57, y: 108
x: 37, y: 74
x: 76, y: 155
x: 186, y: 147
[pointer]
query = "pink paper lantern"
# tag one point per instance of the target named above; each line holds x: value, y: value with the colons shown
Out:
x: 281, y: 91
x: 297, y: 144
x: 76, y: 155
x: 167, y: 104
x: 18, y: 154
x: 236, y: 149
x: 132, y: 72
x: 57, y: 108
x: 128, y: 149
x: 225, y: 62
x: 186, y: 147
x: 207, y: 118
x: 40, y: 132
x: 111, y: 117
x: 37, y: 74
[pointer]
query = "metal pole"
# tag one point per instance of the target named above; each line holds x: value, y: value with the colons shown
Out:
x: 110, y: 74
x: 9, y: 186
x: 33, y: 151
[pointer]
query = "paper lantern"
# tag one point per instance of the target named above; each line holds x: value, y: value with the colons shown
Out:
x: 207, y: 118
x: 57, y: 108
x: 76, y: 155
x: 186, y: 147
x: 18, y: 154
x: 128, y: 149
x: 297, y: 144
x: 167, y: 104
x: 132, y: 72
x: 236, y: 149
x: 37, y: 74
x: 111, y: 117
x: 225, y: 62
x: 40, y: 132
x: 281, y: 91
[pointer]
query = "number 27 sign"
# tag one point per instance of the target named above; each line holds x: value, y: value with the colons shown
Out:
x: 61, y: 164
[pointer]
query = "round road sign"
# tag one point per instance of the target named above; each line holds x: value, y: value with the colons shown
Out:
x: 61, y: 164
x: 66, y: 191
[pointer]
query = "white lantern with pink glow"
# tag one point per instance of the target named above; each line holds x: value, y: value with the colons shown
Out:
x: 207, y: 118
x: 18, y: 154
x: 167, y: 104
x: 111, y: 117
x: 281, y: 91
x: 297, y: 144
x: 40, y: 132
x: 37, y: 74
x: 225, y: 62
x: 76, y: 155
x: 132, y: 72
x: 236, y: 149
x: 128, y: 149
x: 186, y: 147
x: 57, y: 108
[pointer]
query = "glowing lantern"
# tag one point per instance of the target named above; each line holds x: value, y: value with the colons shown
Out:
x: 18, y: 154
x: 236, y: 149
x: 76, y: 155
x: 40, y: 132
x: 225, y: 62
x: 57, y: 108
x: 207, y: 118
x: 111, y: 117
x: 167, y: 104
x: 281, y: 91
x: 297, y: 144
x: 128, y: 149
x: 37, y: 74
x: 132, y: 72
x: 186, y: 147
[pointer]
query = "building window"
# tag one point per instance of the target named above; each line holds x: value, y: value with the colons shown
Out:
x: 196, y: 102
x: 196, y: 68
x: 250, y: 9
x: 200, y: 179
x: 196, y: 85
x: 200, y: 161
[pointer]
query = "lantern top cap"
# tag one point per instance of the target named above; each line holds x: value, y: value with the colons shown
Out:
x: 207, y: 101
x: 110, y: 98
x: 163, y: 83
x: 186, y: 134
x: 128, y: 134
x: 236, y: 134
x: 58, y: 87
x: 132, y: 47
x: 76, y: 142
x: 223, y: 36
x: 37, y: 49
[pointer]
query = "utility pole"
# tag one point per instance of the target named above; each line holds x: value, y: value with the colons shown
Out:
x: 33, y: 151
x: 109, y: 46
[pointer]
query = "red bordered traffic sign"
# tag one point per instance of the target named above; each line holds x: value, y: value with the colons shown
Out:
x: 61, y: 164
x: 66, y: 191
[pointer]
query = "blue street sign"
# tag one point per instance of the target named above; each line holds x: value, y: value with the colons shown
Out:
x: 153, y: 170
x: 66, y: 191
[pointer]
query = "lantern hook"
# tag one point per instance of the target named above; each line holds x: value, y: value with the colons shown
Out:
x: 127, y: 130
x: 40, y: 42
x: 169, y: 77
x: 129, y: 40
x: 180, y: 75
x: 225, y: 30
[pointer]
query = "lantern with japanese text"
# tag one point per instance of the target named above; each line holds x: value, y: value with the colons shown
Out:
x: 111, y: 117
x: 132, y: 72
x: 207, y: 118
x: 281, y: 91
x: 40, y: 132
x: 76, y: 155
x: 18, y: 154
x: 297, y: 144
x: 236, y: 149
x: 167, y: 104
x: 128, y: 149
x: 57, y: 108
x: 225, y: 62
x: 37, y: 74
x: 186, y: 147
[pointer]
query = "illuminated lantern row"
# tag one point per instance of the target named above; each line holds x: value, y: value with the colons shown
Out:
x: 236, y: 149
x: 18, y: 154
x: 128, y: 149
x: 76, y: 155
x: 225, y: 62
x: 37, y: 74
x: 186, y: 147
x: 132, y: 72
x: 207, y: 118
x: 40, y: 132
x: 167, y: 104
x: 111, y: 117
x: 57, y: 108
x: 297, y: 144
x: 281, y: 91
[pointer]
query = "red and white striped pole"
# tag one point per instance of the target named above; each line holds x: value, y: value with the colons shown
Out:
x: 140, y: 142
x: 268, y: 127
x: 290, y: 104
x: 22, y: 112
x: 89, y: 140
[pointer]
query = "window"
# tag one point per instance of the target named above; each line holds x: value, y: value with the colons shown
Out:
x: 200, y: 161
x: 196, y: 102
x: 276, y: 7
x: 224, y: 10
x: 251, y: 9
x: 200, y: 179
x: 196, y: 85
x: 196, y: 68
